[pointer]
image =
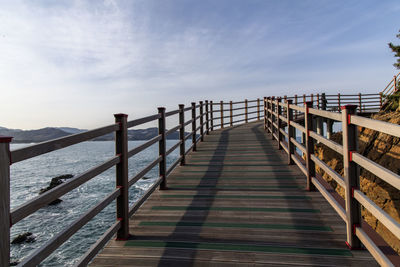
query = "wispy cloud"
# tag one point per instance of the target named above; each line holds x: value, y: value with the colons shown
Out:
x: 74, y: 63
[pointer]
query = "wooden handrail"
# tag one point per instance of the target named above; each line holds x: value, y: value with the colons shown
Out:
x: 352, y: 161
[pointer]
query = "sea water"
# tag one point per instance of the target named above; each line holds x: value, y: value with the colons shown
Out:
x: 29, y: 176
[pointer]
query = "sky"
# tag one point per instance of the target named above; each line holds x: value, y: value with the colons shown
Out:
x: 76, y: 63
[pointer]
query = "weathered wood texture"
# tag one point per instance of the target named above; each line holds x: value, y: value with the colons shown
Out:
x: 235, y: 202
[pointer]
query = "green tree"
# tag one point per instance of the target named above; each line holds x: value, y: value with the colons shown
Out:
x: 396, y: 50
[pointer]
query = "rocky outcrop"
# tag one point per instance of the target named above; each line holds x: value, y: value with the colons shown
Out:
x: 383, y: 149
x: 56, y: 181
x: 27, y: 237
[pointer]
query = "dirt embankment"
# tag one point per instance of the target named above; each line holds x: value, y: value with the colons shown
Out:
x: 382, y: 149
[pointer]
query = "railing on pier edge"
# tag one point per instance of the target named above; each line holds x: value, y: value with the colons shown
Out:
x: 392, y: 86
x: 279, y: 114
x: 204, y: 117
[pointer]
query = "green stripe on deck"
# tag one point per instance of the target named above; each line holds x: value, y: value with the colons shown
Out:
x: 238, y: 247
x: 235, y: 196
x: 233, y: 160
x: 238, y: 171
x: 238, y: 186
x: 234, y: 178
x: 240, y: 225
x: 267, y: 164
x: 234, y: 209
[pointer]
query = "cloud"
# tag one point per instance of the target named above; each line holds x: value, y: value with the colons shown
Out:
x: 75, y: 63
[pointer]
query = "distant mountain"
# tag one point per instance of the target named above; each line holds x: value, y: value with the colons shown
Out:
x: 44, y: 134
x: 71, y: 130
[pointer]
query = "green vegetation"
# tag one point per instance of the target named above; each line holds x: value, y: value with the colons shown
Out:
x: 396, y: 50
x: 394, y: 99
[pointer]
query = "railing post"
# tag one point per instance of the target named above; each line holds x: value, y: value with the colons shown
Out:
x: 194, y: 125
x: 309, y: 146
x: 395, y: 83
x: 182, y: 133
x: 338, y: 95
x: 246, y: 117
x: 380, y: 100
x: 222, y: 113
x: 272, y: 117
x: 207, y: 120
x: 359, y: 102
x: 258, y: 109
x: 5, y: 162
x: 351, y: 175
x: 121, y: 149
x: 291, y: 130
x: 265, y: 113
x: 318, y: 104
x: 295, y: 102
x: 323, y: 101
x: 231, y: 113
x: 284, y: 101
x: 278, y: 121
x: 201, y: 122
x: 211, y: 116
x: 312, y: 98
x: 162, y: 148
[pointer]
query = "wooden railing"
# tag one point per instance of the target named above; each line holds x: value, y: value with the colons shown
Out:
x: 392, y: 86
x: 357, y: 231
x: 204, y: 117
x: 367, y: 103
x: 202, y: 122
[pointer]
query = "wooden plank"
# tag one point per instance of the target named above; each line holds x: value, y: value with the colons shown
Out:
x: 298, y: 145
x: 55, y: 144
x: 145, y: 170
x: 326, y: 114
x: 140, y: 121
x: 40, y: 201
x: 381, y: 215
x: 99, y: 245
x: 171, y: 149
x: 380, y: 126
x: 144, y: 197
x: 298, y: 108
x: 329, y: 143
x: 170, y: 131
x: 171, y: 168
x: 298, y: 126
x: 5, y: 200
x: 142, y: 147
x: 330, y: 199
x: 379, y: 256
x: 51, y: 245
x: 387, y: 175
x: 332, y: 173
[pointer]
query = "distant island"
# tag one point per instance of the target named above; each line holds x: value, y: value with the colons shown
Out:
x: 48, y: 133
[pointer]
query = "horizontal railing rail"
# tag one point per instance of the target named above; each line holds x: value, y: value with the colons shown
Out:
x: 283, y: 130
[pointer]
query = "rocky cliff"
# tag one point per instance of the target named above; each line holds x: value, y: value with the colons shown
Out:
x: 382, y: 149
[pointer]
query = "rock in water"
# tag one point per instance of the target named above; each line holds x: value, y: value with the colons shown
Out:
x: 27, y: 237
x: 56, y: 181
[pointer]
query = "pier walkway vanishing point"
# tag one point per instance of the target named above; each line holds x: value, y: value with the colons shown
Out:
x: 246, y: 191
x: 235, y: 202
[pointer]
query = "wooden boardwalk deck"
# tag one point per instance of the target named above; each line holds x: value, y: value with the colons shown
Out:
x: 236, y: 202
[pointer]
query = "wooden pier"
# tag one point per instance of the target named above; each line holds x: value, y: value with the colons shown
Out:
x: 235, y: 202
x: 246, y: 191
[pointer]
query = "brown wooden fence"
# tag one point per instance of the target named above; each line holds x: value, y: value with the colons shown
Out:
x: 350, y: 209
x: 203, y: 117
